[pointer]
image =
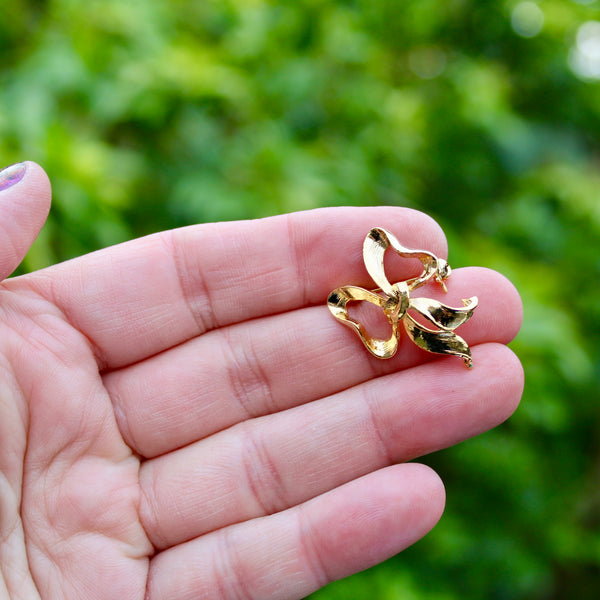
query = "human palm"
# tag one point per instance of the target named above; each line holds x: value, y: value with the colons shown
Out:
x: 181, y: 417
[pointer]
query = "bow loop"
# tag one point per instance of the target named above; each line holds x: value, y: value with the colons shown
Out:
x: 338, y: 301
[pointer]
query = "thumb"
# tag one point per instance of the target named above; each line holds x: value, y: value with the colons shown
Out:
x: 24, y: 205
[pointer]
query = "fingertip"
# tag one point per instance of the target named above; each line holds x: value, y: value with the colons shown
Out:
x: 26, y: 174
x: 511, y: 304
x: 25, y: 194
x: 505, y: 380
x: 499, y: 314
x: 36, y: 193
x: 383, y: 512
x: 426, y: 226
x: 328, y: 244
x: 428, y: 494
x: 516, y: 381
x: 37, y: 178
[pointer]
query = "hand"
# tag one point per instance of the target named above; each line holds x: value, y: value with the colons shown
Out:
x: 181, y: 417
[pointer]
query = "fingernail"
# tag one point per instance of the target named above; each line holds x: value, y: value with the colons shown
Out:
x: 12, y: 175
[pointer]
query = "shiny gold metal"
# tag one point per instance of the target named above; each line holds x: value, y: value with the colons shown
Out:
x: 395, y: 301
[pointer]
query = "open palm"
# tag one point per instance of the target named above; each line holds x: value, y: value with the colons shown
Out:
x: 181, y: 417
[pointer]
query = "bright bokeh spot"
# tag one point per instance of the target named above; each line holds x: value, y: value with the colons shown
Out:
x: 527, y: 19
x: 585, y: 55
x: 427, y: 63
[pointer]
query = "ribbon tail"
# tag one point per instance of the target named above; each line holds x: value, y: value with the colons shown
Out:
x: 438, y: 342
x: 445, y: 317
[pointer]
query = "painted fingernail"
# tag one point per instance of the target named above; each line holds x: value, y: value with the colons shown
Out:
x: 12, y: 175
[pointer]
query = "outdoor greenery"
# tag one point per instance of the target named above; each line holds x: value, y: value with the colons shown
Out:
x: 152, y: 114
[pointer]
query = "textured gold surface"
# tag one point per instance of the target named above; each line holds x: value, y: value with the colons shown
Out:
x: 395, y: 302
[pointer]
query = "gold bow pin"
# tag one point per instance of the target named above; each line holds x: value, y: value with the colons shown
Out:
x: 395, y: 301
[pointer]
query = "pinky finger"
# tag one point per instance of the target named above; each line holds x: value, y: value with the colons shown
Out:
x: 295, y: 552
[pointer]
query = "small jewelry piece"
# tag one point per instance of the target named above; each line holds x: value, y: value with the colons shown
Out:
x: 395, y: 302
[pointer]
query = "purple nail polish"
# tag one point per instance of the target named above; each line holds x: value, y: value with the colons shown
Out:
x: 12, y: 175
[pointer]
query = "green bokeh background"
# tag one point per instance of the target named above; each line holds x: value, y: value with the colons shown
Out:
x: 152, y: 114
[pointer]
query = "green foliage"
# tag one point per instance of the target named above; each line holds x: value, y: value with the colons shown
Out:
x: 152, y: 114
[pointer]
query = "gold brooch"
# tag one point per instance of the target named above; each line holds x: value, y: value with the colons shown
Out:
x: 395, y: 301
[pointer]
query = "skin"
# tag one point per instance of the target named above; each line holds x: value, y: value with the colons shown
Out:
x: 181, y: 417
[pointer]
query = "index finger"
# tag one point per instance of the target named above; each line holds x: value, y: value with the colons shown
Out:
x: 142, y: 297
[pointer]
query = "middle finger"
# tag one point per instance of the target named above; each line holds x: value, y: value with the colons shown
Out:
x: 272, y: 364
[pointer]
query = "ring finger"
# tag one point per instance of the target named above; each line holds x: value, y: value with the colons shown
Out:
x: 271, y: 463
